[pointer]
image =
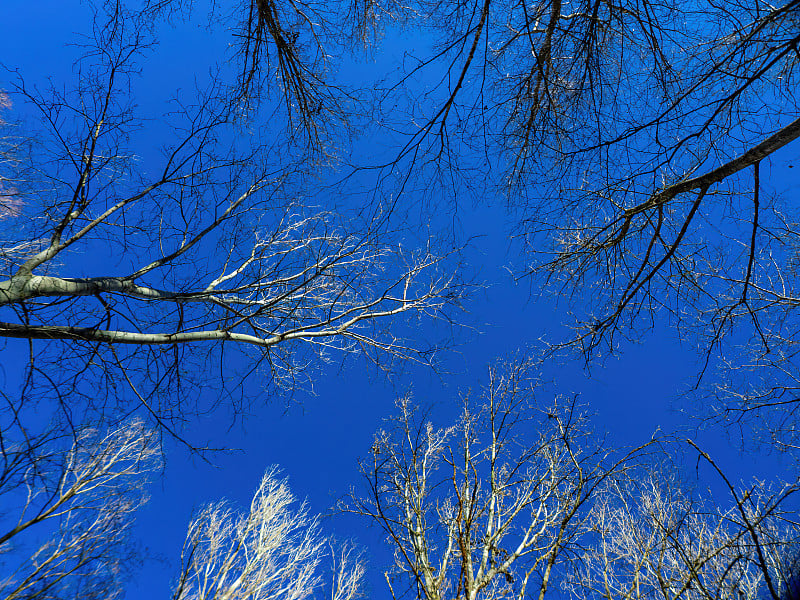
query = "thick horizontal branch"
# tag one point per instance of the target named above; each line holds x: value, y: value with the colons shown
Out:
x: 775, y: 142
x: 20, y: 288
x: 61, y: 332
x: 66, y: 332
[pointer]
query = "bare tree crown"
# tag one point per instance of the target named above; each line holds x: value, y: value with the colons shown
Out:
x: 145, y: 272
x: 516, y: 499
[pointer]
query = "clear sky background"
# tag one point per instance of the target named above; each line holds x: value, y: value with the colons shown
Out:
x: 318, y: 439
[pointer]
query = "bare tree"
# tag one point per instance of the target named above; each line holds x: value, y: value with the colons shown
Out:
x: 273, y: 551
x: 636, y: 143
x: 518, y: 500
x: 9, y: 204
x: 654, y: 540
x: 492, y: 506
x: 286, y: 55
x: 67, y: 513
x: 664, y: 204
x: 140, y: 273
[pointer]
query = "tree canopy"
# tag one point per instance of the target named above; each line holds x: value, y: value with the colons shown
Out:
x: 188, y: 228
x: 216, y: 243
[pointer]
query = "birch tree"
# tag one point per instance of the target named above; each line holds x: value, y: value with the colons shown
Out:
x: 518, y: 499
x: 68, y: 513
x: 207, y: 259
x: 656, y: 540
x: 65, y: 527
x: 492, y: 506
x: 275, y: 550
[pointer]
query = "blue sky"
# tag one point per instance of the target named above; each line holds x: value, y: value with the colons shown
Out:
x: 318, y: 439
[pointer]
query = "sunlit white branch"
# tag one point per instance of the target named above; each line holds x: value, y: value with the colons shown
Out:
x: 272, y: 551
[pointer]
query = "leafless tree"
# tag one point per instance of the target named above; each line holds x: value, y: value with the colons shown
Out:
x: 273, y: 551
x: 9, y: 204
x: 287, y: 56
x: 636, y: 143
x: 139, y: 270
x: 656, y: 541
x: 492, y: 506
x: 664, y: 204
x: 518, y: 500
x: 67, y: 513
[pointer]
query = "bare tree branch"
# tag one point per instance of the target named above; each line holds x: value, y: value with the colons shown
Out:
x: 75, y: 507
x: 272, y: 551
x: 113, y: 262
